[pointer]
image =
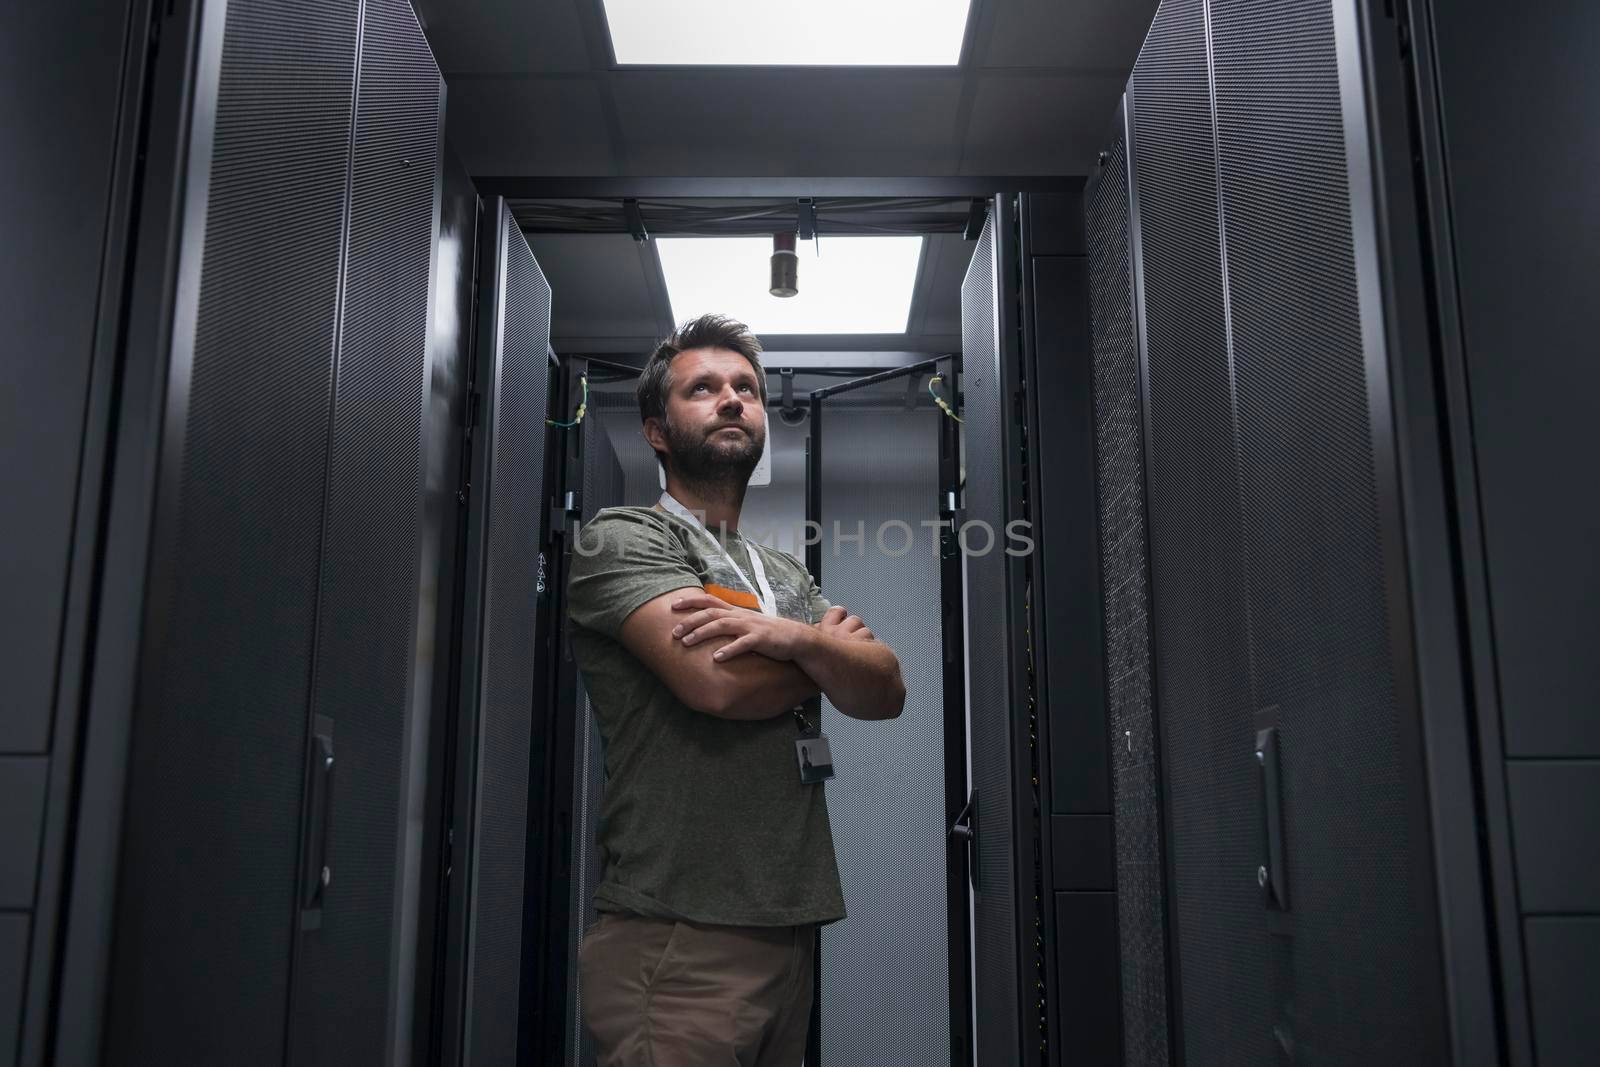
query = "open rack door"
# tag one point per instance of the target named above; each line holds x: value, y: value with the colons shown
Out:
x: 499, y: 676
x: 1006, y: 951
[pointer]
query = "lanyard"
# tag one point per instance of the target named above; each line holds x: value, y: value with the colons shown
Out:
x: 763, y: 591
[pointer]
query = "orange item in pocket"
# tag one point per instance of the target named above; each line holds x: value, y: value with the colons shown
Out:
x: 737, y: 597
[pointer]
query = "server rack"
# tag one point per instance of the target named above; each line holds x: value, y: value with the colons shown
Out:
x: 239, y: 841
x: 1276, y: 229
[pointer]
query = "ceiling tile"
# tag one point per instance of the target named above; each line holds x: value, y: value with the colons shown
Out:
x: 598, y: 285
x: 757, y: 124
x: 504, y: 36
x: 1100, y: 35
x: 528, y: 126
x: 1039, y: 124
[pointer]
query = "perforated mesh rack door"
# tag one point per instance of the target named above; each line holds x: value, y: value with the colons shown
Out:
x: 1363, y: 957
x: 886, y: 968
x: 516, y: 398
x: 199, y: 970
x: 1269, y: 513
x: 1198, y: 578
x: 1124, y: 565
x: 344, y: 978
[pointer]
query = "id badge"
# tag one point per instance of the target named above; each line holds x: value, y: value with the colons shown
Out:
x: 816, y: 762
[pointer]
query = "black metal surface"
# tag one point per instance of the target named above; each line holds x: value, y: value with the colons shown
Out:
x: 345, y: 974
x: 1006, y: 927
x: 438, y: 964
x: 1054, y: 224
x: 1198, y: 578
x: 1555, y: 807
x: 67, y: 63
x: 1086, y: 925
x: 1124, y: 568
x: 546, y: 989
x: 1365, y: 956
x: 952, y: 612
x: 1252, y: 332
x: 233, y: 586
x: 708, y: 217
x: 526, y: 187
x: 1432, y: 541
x: 1083, y: 853
x: 64, y: 312
x: 1070, y: 765
x: 154, y: 249
x: 510, y: 493
x: 1066, y: 563
x: 814, y: 452
x: 1523, y: 318
x: 22, y: 793
x: 13, y: 975
x: 1563, y: 972
x: 924, y: 367
x: 1512, y: 291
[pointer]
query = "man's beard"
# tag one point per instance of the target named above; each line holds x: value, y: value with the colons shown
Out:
x: 712, y: 461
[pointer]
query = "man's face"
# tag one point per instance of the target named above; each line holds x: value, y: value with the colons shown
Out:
x: 716, y: 425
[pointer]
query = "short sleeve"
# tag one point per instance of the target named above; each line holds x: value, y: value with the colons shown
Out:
x: 622, y: 559
x: 819, y: 603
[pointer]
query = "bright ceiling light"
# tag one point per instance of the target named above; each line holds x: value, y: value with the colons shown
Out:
x: 857, y: 285
x: 853, y: 33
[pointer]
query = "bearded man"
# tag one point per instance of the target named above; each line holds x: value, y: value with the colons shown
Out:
x: 699, y: 650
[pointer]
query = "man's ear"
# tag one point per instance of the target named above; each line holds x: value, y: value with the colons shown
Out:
x: 655, y: 434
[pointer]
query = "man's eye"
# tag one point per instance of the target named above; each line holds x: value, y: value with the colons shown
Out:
x: 748, y: 388
x: 697, y: 388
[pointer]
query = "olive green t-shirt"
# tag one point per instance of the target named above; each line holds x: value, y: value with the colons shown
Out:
x: 705, y: 819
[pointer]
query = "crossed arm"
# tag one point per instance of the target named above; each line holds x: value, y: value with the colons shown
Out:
x: 700, y: 646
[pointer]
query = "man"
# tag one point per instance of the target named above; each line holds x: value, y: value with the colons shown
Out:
x: 698, y: 649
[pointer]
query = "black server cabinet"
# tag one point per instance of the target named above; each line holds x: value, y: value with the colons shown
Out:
x: 1077, y: 865
x: 1198, y: 570
x: 1139, y: 840
x: 237, y: 887
x: 502, y: 588
x: 448, y: 463
x: 65, y: 172
x: 1321, y: 877
x: 1505, y: 269
x: 347, y: 976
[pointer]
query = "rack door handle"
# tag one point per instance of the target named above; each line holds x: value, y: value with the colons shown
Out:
x: 1272, y: 874
x: 317, y: 872
x: 965, y: 828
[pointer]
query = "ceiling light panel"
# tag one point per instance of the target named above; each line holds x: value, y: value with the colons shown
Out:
x: 857, y: 285
x: 801, y: 33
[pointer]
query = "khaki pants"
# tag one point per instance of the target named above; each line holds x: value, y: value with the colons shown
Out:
x: 664, y: 994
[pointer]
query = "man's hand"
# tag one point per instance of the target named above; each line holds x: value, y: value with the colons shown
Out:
x: 706, y: 616
x: 838, y: 622
x: 858, y: 673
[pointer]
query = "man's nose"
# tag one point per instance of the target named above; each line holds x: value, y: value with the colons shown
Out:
x: 730, y: 401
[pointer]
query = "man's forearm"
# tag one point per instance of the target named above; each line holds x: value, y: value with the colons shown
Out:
x: 753, y: 686
x: 860, y: 678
